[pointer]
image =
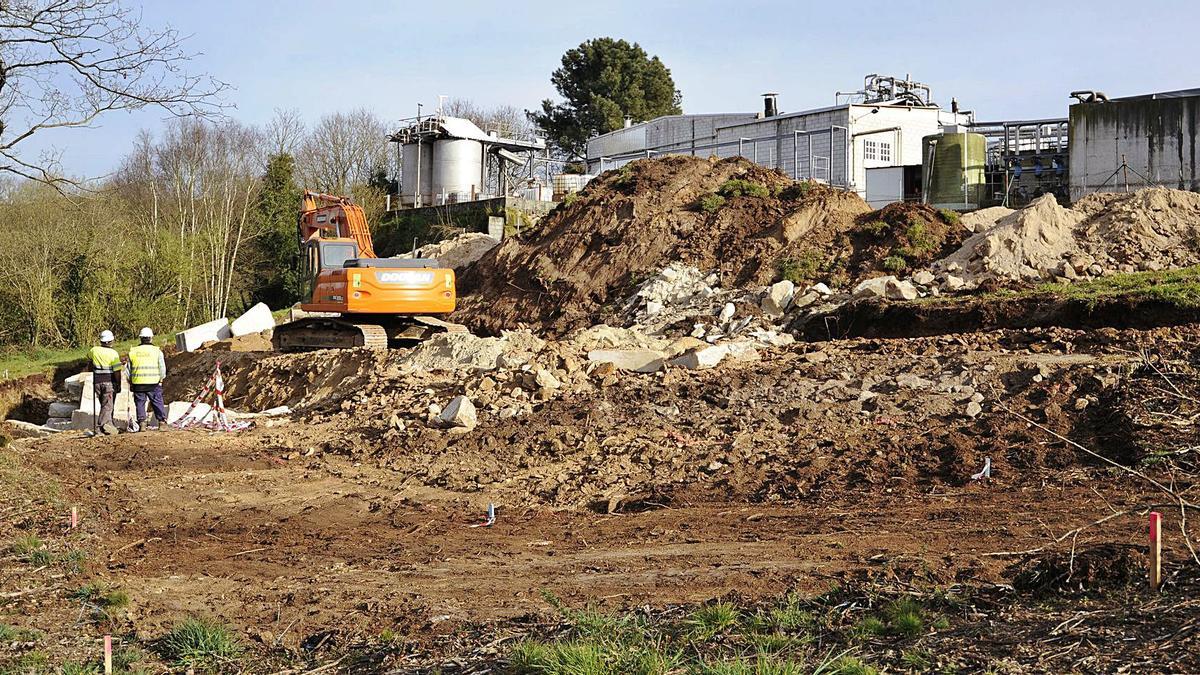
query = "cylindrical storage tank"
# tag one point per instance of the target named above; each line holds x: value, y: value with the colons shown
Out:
x: 457, y: 165
x: 410, y: 155
x: 952, y: 170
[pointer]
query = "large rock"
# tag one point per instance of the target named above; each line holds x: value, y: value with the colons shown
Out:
x: 256, y: 319
x: 702, y: 358
x: 459, y: 413
x: 637, y: 360
x: 901, y: 290
x: 191, y: 339
x: 873, y: 288
x: 778, y: 298
x: 924, y: 278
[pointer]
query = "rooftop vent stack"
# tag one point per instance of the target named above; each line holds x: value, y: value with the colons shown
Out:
x: 628, y: 121
x: 770, y: 104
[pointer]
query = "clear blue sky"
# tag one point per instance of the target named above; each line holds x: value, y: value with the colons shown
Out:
x: 1005, y: 60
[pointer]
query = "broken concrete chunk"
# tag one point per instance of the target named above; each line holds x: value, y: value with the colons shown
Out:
x: 821, y: 289
x: 923, y: 278
x: 873, y: 288
x: 900, y: 290
x: 459, y: 413
x: 726, y: 313
x: 952, y: 283
x: 546, y: 380
x: 637, y: 360
x: 193, y: 338
x: 974, y: 409
x: 61, y: 409
x: 913, y: 381
x: 256, y: 319
x: 699, y: 359
x: 778, y: 298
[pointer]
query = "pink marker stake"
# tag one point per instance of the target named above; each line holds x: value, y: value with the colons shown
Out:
x: 74, y: 517
x: 107, y: 655
x: 1155, y: 550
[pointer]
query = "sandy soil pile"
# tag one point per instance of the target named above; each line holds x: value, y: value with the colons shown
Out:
x: 1151, y: 229
x: 632, y: 222
x: 458, y: 252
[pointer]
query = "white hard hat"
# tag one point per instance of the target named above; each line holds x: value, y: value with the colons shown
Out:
x: 146, y: 332
x: 106, y: 336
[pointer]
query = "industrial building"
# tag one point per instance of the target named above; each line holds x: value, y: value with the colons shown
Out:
x: 448, y: 160
x: 862, y: 143
x: 1135, y: 141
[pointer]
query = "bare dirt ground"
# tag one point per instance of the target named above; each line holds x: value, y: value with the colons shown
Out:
x: 846, y: 464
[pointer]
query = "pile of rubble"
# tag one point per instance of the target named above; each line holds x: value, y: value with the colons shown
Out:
x: 457, y: 252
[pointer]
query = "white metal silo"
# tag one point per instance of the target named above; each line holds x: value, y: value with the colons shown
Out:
x: 457, y: 169
x: 416, y: 164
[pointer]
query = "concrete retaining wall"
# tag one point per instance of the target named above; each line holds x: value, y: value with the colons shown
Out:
x: 1156, y: 136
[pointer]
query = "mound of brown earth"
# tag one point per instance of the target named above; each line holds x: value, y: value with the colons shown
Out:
x: 900, y: 237
x: 631, y: 222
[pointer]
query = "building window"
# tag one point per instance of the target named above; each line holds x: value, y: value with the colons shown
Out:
x: 885, y: 152
x: 870, y: 150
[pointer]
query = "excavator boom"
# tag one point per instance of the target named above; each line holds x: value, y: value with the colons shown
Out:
x: 332, y: 217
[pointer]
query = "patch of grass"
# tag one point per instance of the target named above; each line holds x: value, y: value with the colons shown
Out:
x: 739, y: 187
x: 710, y: 620
x: 74, y: 668
x: 874, y: 227
x: 762, y: 665
x: 1179, y: 288
x: 951, y: 216
x: 800, y: 270
x: 918, y: 659
x: 200, y: 642
x: 904, y: 617
x: 33, y: 662
x: 710, y: 203
x: 920, y: 240
x: 573, y: 658
x: 102, y: 596
x: 847, y: 665
x: 894, y: 263
x: 74, y: 560
x: 25, y: 544
x: 870, y: 626
x: 14, y: 634
x: 625, y: 179
x: 570, y: 198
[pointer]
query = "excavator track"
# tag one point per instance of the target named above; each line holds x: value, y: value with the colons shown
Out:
x: 327, y: 333
x: 312, y: 333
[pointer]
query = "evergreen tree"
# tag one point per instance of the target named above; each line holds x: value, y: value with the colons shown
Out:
x: 279, y: 283
x: 604, y: 81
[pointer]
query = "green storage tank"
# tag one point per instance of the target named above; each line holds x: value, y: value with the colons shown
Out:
x: 952, y: 170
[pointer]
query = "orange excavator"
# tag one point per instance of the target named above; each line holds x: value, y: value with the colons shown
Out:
x: 355, y: 299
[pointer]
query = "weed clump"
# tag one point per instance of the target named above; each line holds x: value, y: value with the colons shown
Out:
x: 711, y: 203
x: 200, y: 642
x: 738, y: 187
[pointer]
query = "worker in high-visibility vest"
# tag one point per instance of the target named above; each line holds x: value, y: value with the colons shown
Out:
x: 147, y: 370
x: 105, y: 364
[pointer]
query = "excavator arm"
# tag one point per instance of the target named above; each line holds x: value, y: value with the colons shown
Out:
x: 333, y: 217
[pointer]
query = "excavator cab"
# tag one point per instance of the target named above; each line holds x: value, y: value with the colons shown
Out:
x: 324, y: 254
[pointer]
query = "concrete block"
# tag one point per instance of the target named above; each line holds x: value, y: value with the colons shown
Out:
x: 637, y: 360
x: 61, y: 409
x: 176, y: 409
x: 59, y: 423
x: 256, y: 319
x: 77, y: 383
x: 21, y: 429
x: 191, y: 339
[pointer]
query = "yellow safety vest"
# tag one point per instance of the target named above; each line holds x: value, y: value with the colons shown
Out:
x: 143, y: 365
x: 105, y: 360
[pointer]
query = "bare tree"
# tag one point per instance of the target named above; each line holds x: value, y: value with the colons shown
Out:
x: 284, y: 134
x: 65, y: 63
x: 344, y: 150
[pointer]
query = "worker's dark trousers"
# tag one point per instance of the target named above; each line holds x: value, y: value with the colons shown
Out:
x: 156, y: 403
x: 103, y: 391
